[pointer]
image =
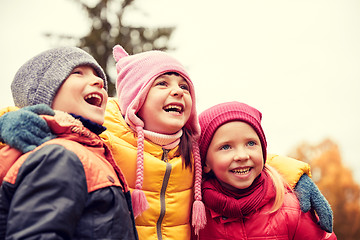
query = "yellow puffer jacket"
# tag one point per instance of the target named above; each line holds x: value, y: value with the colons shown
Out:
x: 289, y: 168
x: 7, y: 109
x: 167, y: 185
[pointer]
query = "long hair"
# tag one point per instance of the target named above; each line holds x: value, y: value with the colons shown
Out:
x: 186, y: 147
x: 279, y: 184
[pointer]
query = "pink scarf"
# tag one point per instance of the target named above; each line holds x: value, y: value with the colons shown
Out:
x: 167, y: 141
x: 240, y: 203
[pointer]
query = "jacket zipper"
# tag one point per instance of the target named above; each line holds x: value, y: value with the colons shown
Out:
x: 162, y: 192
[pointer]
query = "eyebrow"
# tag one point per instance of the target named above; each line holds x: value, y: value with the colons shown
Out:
x: 172, y: 73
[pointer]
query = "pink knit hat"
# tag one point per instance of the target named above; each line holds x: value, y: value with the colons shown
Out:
x: 136, y: 74
x: 212, y: 118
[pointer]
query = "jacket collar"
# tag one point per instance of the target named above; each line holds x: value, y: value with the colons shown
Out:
x: 65, y: 125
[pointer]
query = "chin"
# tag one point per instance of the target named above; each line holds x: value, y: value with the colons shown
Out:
x: 98, y: 121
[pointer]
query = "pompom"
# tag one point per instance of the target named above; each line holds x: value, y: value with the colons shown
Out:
x: 139, y: 202
x: 198, y: 216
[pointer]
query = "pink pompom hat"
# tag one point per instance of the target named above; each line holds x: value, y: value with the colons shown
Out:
x: 135, y: 76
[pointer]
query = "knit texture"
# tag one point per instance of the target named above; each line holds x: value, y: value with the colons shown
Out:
x: 135, y: 76
x: 241, y: 203
x: 39, y: 79
x: 211, y: 119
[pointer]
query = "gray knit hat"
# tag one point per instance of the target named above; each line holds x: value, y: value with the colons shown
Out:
x: 39, y: 79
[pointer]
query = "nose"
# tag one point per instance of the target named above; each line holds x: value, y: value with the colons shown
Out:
x: 177, y: 91
x: 241, y: 155
x: 97, y: 81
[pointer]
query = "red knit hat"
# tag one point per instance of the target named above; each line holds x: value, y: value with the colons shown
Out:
x: 211, y: 119
x: 136, y: 74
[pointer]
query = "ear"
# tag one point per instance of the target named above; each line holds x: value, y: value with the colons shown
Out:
x: 119, y: 52
x: 207, y: 169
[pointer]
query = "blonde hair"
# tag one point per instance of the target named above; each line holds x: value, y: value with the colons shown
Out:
x: 280, y: 186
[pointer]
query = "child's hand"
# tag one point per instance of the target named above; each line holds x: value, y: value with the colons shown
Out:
x: 310, y: 197
x: 24, y: 129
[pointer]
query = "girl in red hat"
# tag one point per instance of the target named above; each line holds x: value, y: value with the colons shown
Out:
x: 244, y: 197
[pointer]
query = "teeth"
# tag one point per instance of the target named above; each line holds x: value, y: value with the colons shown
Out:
x: 93, y: 95
x: 241, y: 171
x: 173, y: 108
x: 93, y: 99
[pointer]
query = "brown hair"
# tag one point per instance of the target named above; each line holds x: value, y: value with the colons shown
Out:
x: 186, y: 147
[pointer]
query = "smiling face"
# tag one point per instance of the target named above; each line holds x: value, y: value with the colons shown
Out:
x: 82, y: 93
x: 235, y: 155
x: 167, y: 106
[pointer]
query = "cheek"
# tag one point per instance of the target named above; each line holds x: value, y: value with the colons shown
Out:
x: 188, y: 101
x: 105, y: 95
x: 189, y: 106
x: 217, y: 163
x: 258, y: 158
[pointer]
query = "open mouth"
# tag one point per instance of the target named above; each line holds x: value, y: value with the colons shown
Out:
x: 94, y: 99
x: 241, y: 171
x: 173, y: 108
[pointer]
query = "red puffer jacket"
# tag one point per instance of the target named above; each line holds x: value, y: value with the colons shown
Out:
x: 287, y: 223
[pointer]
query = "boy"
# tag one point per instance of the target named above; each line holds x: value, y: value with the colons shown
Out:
x: 68, y: 187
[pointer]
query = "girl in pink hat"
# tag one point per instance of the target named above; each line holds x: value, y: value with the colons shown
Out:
x: 152, y: 130
x: 244, y: 197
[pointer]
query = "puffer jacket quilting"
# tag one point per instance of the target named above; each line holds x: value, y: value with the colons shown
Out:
x: 168, y: 185
x: 289, y: 222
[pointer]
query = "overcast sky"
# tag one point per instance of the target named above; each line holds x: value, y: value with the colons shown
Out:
x: 298, y: 62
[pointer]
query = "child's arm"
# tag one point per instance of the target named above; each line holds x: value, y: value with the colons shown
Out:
x: 297, y: 175
x: 309, y: 197
x: 48, y: 195
x: 289, y: 168
x: 24, y: 129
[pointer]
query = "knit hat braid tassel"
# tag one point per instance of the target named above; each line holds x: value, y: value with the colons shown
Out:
x: 198, y: 212
x: 138, y: 198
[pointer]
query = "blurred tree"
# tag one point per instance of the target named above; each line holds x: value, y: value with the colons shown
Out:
x: 108, y: 29
x: 336, y: 183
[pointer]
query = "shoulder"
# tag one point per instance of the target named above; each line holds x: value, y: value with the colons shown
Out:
x: 7, y: 109
x: 291, y: 201
x: 112, y: 109
x: 114, y: 121
x: 301, y: 225
x: 290, y: 168
x: 47, y: 159
x: 117, y: 130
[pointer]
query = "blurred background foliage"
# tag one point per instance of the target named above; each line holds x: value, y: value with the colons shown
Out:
x: 336, y: 183
x: 107, y: 28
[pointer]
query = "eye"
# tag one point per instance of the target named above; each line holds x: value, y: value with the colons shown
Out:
x: 184, y: 87
x: 251, y: 143
x: 225, y: 147
x: 77, y: 71
x: 161, y: 83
